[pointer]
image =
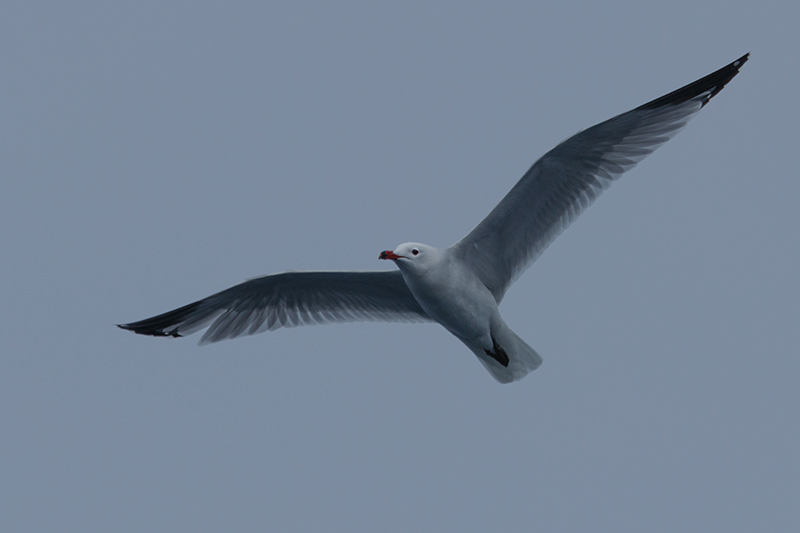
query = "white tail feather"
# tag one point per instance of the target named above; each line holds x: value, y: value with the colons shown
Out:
x: 522, y: 359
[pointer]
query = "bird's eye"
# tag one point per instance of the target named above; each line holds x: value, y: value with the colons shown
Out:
x: 414, y: 252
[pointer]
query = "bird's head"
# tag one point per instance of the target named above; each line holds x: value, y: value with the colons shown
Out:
x: 412, y: 255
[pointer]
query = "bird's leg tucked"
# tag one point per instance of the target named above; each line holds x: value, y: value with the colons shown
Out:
x: 497, y: 353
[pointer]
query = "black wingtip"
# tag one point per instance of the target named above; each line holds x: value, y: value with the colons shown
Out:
x: 711, y: 84
x: 147, y: 331
x: 159, y: 326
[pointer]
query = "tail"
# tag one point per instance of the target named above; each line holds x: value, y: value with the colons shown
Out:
x: 522, y: 359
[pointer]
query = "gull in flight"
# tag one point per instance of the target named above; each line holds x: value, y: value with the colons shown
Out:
x: 459, y: 287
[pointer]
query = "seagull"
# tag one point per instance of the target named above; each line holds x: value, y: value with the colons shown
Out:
x: 459, y: 287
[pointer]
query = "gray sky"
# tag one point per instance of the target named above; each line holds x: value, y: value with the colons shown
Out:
x: 153, y: 154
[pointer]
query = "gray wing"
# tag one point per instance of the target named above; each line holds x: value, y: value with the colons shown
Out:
x: 289, y: 299
x: 568, y: 178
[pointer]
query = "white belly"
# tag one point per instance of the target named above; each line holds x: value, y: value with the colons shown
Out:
x: 458, y: 300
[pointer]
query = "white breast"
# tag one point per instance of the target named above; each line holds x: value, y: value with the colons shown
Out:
x: 453, y: 296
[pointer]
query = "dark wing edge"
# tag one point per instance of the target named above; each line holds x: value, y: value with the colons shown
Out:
x: 708, y: 86
x: 289, y: 299
x: 568, y: 178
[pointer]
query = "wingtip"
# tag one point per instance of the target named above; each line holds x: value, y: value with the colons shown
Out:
x: 724, y: 75
x: 139, y: 330
x: 706, y: 88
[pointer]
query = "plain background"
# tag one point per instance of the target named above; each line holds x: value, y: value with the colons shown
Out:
x: 155, y: 153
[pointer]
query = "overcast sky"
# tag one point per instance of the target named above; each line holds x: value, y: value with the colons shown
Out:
x: 155, y: 153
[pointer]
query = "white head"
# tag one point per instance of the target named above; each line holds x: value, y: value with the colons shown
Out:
x: 412, y: 255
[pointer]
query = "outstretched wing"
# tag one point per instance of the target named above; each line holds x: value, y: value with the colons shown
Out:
x: 568, y: 178
x: 289, y: 299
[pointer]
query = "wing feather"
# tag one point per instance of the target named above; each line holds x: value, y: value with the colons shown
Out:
x: 289, y: 299
x: 567, y: 179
